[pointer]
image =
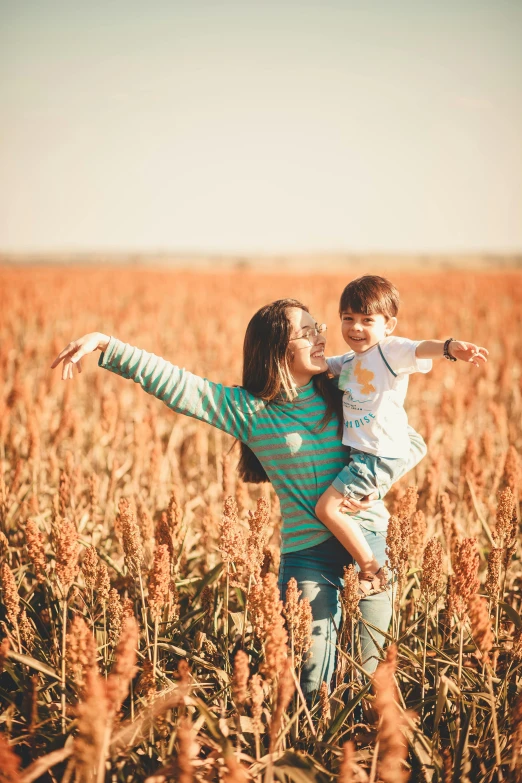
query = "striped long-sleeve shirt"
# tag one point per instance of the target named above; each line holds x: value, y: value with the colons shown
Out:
x: 299, y: 458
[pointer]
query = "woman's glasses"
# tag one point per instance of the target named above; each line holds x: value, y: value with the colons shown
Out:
x: 311, y: 333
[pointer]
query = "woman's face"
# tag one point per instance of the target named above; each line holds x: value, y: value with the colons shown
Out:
x: 305, y: 349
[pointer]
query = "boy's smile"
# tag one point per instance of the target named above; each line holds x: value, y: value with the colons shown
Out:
x: 361, y: 332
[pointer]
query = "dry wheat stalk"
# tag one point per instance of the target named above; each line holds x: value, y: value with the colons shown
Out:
x: 4, y: 547
x: 303, y: 632
x: 146, y: 524
x: 67, y: 550
x: 159, y: 581
x: 35, y: 549
x: 449, y: 527
x: 4, y: 652
x: 465, y: 581
x: 480, y: 625
x: 115, y: 616
x: 393, y: 747
x: 285, y: 691
x: 268, y: 625
x: 10, y: 595
x: 124, y: 666
x: 232, y: 535
x: 324, y: 703
x: 163, y: 536
x: 103, y: 582
x: 347, y: 764
x: 90, y: 568
x: 492, y: 585
x: 10, y: 763
x: 187, y: 750
x: 398, y: 546
x: 146, y: 686
x: 516, y: 730
x: 240, y: 677
x: 92, y: 738
x: 130, y: 536
x: 432, y: 569
x: 81, y: 650
x: 235, y: 772
x: 418, y: 535
x: 94, y: 488
x: 407, y: 504
x: 502, y: 533
x: 259, y: 534
x: 291, y: 606
x: 350, y: 593
x: 512, y: 474
x: 256, y: 700
x: 26, y: 630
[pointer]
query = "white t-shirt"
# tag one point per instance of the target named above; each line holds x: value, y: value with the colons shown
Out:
x: 375, y: 384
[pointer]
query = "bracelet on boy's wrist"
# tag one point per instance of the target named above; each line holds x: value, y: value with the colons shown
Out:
x: 446, y: 352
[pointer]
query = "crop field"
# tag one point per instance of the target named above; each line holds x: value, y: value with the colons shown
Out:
x: 141, y: 632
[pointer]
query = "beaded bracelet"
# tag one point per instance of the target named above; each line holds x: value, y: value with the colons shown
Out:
x: 446, y: 352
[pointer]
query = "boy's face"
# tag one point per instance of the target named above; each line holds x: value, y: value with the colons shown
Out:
x: 361, y: 332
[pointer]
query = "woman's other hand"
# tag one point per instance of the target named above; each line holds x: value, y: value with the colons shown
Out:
x: 352, y: 506
x: 77, y: 349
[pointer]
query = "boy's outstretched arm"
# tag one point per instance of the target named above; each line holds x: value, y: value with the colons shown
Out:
x: 457, y: 349
x: 345, y: 529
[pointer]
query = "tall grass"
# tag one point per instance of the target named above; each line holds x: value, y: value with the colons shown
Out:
x: 142, y: 634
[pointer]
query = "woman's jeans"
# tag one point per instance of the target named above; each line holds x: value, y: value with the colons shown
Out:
x: 318, y: 571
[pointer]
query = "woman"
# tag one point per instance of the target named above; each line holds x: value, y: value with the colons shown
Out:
x: 286, y: 416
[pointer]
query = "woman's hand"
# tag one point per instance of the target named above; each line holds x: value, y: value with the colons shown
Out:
x: 77, y: 349
x: 352, y: 506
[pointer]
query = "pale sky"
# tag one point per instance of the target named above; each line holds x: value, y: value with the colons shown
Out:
x: 268, y: 126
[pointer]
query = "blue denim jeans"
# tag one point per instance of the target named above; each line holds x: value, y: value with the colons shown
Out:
x: 318, y: 571
x: 367, y: 473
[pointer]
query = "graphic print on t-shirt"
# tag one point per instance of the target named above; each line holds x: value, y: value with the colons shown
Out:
x: 364, y: 377
x: 354, y: 380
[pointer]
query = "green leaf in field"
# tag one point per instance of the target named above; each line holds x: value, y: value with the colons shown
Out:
x: 462, y: 764
x: 285, y: 773
x: 240, y: 595
x: 27, y: 660
x: 512, y: 614
x: 341, y: 716
x: 238, y: 619
x: 295, y: 768
x: 208, y: 579
x: 422, y: 748
x: 246, y: 724
x: 213, y: 727
x: 441, y: 702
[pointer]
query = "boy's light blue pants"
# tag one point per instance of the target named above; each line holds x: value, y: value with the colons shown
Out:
x: 366, y: 473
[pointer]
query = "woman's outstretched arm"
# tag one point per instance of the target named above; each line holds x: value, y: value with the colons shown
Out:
x: 227, y: 408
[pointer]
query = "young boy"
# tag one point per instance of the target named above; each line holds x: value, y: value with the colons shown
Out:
x: 374, y: 378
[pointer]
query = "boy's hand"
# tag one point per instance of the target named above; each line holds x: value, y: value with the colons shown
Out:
x: 468, y: 352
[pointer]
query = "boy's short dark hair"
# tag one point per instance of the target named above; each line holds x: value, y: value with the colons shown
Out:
x: 369, y: 295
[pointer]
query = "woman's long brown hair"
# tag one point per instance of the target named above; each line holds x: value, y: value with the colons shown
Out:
x: 267, y: 374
